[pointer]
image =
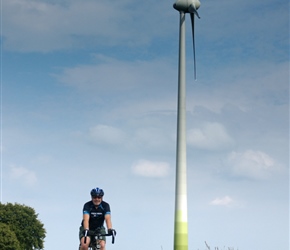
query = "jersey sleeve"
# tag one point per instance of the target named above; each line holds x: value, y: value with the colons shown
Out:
x: 86, y: 208
x: 107, y: 209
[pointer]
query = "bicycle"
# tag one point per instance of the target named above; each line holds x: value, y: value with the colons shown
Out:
x: 96, y: 237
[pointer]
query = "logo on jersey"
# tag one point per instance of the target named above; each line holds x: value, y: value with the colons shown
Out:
x: 96, y: 214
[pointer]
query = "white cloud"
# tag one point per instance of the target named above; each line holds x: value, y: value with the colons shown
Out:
x: 134, y: 138
x: 111, y: 75
x: 53, y: 25
x: 252, y: 164
x: 23, y: 175
x: 50, y: 26
x: 151, y: 169
x: 104, y: 134
x: 224, y: 201
x: 211, y: 136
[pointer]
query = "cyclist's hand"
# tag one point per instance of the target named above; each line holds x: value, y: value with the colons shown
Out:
x: 112, y: 231
x: 85, y: 232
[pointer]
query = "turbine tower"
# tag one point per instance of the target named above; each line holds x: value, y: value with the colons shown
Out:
x: 180, y: 220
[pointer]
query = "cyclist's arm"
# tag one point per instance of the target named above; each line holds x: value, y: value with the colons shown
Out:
x: 108, y: 221
x: 86, y: 218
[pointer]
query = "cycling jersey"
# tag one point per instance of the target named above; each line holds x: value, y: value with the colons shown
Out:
x: 96, y: 213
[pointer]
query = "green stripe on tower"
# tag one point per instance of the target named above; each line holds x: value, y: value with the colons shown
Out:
x: 180, y: 232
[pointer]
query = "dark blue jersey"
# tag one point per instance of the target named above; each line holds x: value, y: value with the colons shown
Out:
x: 96, y: 213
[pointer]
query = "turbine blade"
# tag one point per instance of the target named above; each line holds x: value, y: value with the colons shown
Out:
x: 193, y: 42
x: 192, y: 9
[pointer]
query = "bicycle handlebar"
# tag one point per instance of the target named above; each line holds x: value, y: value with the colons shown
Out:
x: 96, y: 233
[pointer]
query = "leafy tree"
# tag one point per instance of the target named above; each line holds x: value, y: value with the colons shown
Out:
x: 8, y: 239
x: 23, y: 221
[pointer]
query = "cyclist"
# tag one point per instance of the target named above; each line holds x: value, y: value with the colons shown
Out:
x: 95, y: 212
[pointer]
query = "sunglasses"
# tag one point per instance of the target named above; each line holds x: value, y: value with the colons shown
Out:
x: 97, y: 197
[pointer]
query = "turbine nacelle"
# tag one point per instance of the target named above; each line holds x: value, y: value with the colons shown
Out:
x: 187, y: 6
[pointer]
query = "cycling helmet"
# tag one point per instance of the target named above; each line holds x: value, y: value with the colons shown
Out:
x: 97, y: 192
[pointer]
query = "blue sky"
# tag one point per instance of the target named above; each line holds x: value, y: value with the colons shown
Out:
x: 89, y: 98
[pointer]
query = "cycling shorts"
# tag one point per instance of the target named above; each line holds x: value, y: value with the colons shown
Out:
x: 102, y: 231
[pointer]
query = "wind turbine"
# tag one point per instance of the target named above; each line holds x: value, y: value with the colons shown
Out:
x: 180, y: 220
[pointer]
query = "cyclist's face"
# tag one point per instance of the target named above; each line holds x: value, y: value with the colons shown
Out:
x: 97, y: 200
